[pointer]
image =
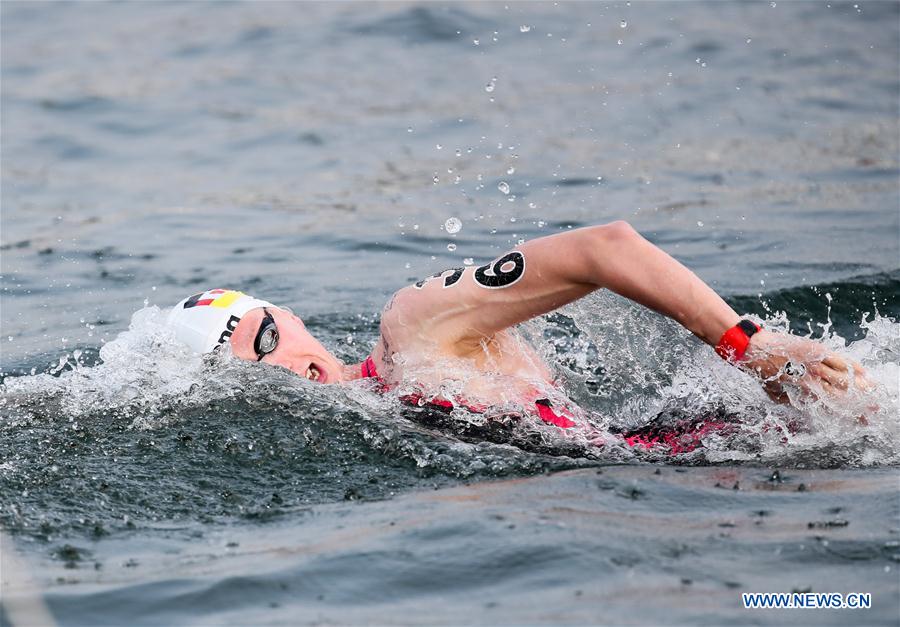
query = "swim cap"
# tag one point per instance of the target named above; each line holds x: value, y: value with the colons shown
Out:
x: 205, y: 321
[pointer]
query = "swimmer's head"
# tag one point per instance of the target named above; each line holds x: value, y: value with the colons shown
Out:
x: 257, y: 331
x: 207, y: 320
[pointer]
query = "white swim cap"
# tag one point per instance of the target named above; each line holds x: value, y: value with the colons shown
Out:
x: 205, y: 321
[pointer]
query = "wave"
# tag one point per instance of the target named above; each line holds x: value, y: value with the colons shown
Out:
x: 842, y: 304
x: 143, y: 432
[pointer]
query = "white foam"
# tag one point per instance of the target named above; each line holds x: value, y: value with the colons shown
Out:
x: 148, y: 376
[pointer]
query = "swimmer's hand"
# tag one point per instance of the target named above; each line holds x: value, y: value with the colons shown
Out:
x: 782, y: 360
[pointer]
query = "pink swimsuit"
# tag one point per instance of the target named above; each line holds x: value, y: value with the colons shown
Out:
x: 542, y: 405
x: 682, y: 437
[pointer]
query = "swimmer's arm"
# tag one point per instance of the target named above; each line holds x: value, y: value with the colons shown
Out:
x: 560, y: 269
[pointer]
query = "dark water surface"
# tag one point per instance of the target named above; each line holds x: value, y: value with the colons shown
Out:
x: 311, y: 154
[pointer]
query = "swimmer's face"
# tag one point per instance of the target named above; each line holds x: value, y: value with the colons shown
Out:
x: 297, y: 350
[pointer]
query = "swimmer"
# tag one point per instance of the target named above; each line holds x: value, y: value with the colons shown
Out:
x: 470, y: 314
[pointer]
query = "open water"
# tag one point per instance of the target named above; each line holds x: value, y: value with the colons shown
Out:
x: 311, y: 154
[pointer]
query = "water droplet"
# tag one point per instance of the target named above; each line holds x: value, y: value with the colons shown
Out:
x: 415, y: 227
x: 623, y: 24
x: 749, y: 40
x: 10, y: 338
x: 521, y: 241
x: 458, y: 152
x: 453, y: 225
x: 532, y: 205
x: 438, y: 146
x: 699, y: 223
x: 541, y: 223
x: 524, y: 28
x: 409, y: 130
x: 511, y: 170
x: 476, y: 42
x: 773, y: 5
x: 619, y: 42
x: 451, y: 247
x: 468, y: 261
x: 512, y: 219
x: 407, y: 265
x: 489, y: 87
x: 436, y: 179
x: 503, y: 186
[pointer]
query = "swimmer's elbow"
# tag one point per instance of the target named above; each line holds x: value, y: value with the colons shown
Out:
x: 611, y: 241
x: 610, y: 249
x: 615, y: 233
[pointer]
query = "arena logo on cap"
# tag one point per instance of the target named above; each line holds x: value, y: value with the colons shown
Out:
x: 213, y: 298
x: 230, y: 326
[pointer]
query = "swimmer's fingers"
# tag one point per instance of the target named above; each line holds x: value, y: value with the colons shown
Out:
x: 783, y: 361
x: 816, y: 387
x: 846, y: 371
x: 833, y: 381
x: 861, y: 376
x: 842, y: 364
x: 830, y: 378
x: 835, y: 362
x: 830, y: 388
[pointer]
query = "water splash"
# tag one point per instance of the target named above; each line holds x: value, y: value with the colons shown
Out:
x: 615, y: 372
x: 154, y: 432
x: 453, y: 225
x: 612, y: 379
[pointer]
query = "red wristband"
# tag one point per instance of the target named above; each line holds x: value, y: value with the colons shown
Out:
x: 734, y: 341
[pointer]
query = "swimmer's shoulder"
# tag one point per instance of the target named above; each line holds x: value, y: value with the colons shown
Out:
x: 400, y: 317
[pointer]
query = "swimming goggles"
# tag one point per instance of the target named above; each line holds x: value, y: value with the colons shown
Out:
x: 267, y: 337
